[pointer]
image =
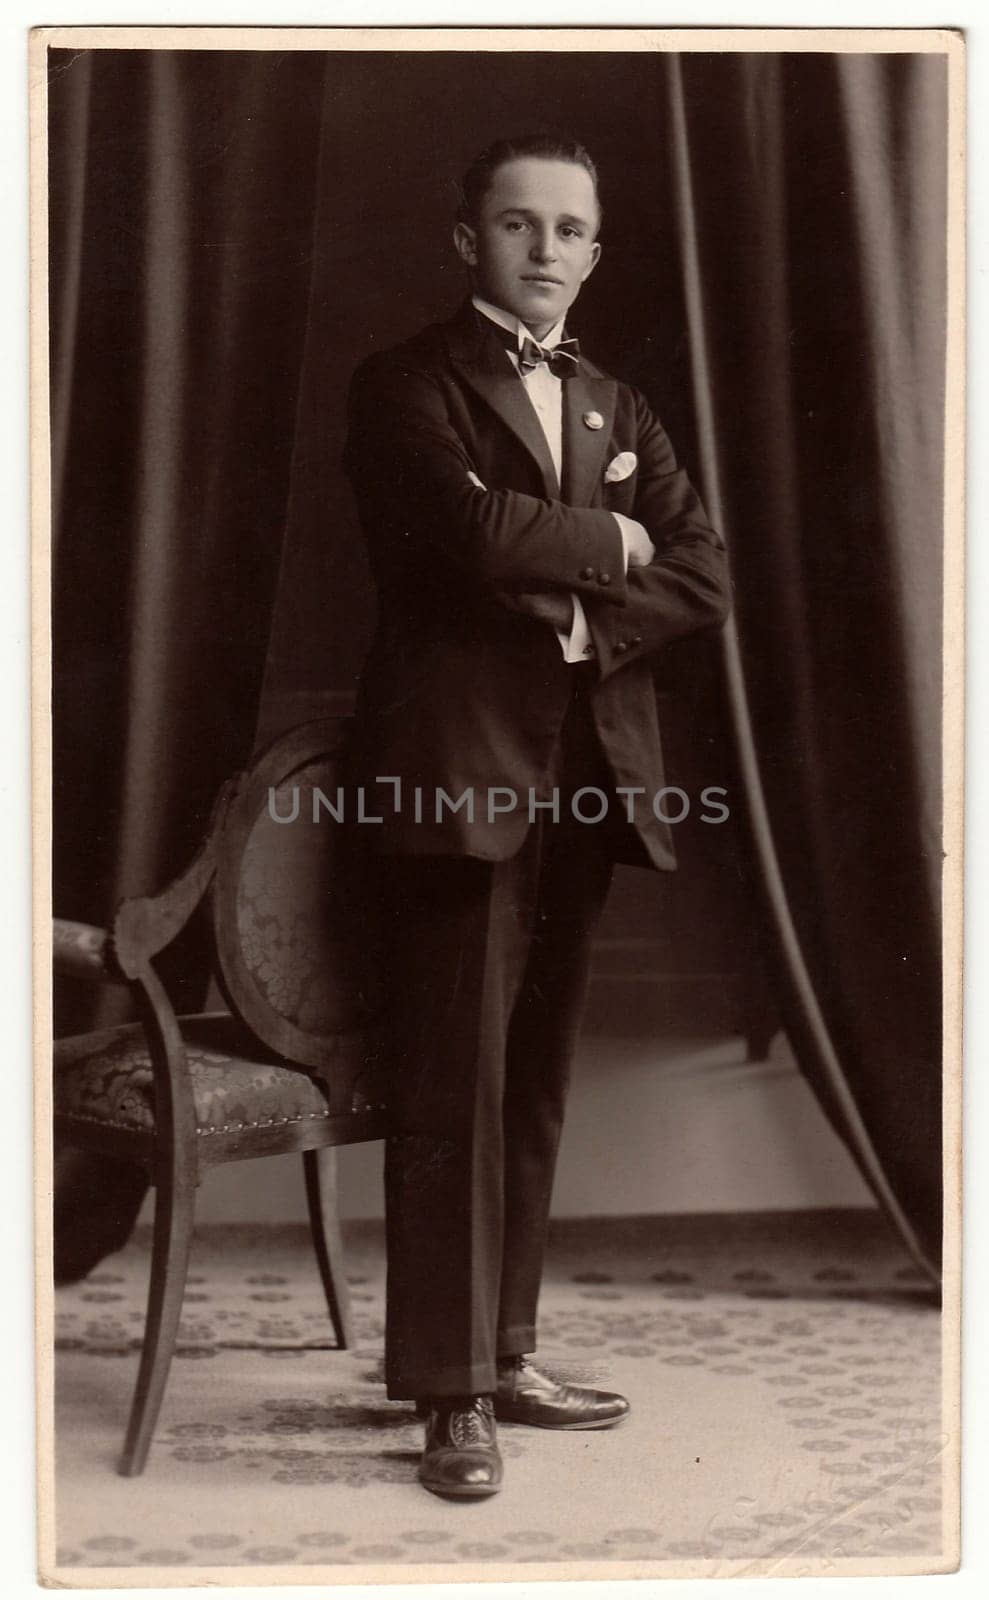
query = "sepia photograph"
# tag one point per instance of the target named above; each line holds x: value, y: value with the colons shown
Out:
x: 498, y: 590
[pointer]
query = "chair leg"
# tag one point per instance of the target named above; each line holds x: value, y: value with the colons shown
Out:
x: 321, y: 1195
x: 174, y: 1212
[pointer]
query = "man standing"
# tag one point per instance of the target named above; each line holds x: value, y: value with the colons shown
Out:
x: 534, y: 547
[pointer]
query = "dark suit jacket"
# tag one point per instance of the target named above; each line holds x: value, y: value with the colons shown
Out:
x: 458, y: 691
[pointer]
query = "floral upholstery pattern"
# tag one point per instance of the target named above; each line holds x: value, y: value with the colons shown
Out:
x: 106, y: 1077
x: 294, y: 909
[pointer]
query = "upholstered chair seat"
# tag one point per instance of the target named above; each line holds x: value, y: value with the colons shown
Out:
x: 237, y: 1086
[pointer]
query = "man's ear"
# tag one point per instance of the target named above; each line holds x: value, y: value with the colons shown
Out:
x: 595, y: 258
x: 465, y: 242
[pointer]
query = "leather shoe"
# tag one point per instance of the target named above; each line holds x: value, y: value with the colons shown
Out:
x: 526, y: 1395
x: 461, y: 1456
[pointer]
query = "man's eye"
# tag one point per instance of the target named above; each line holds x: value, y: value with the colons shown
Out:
x: 515, y: 226
x: 570, y: 233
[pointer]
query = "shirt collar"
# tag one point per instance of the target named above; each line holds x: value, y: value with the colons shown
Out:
x: 507, y: 320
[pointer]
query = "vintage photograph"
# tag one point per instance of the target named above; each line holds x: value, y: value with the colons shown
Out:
x: 503, y: 547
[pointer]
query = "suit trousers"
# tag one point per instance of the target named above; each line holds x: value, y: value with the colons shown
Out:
x: 485, y: 968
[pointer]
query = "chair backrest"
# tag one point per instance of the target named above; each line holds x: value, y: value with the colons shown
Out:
x: 292, y: 945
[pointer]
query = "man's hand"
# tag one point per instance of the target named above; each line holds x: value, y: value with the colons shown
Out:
x: 552, y: 606
x: 638, y: 544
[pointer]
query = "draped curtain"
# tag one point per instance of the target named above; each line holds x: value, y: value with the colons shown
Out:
x: 812, y: 215
x: 782, y: 282
x: 182, y: 196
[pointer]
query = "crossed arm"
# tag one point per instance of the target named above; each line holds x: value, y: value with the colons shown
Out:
x: 411, y: 471
x: 686, y: 587
x: 408, y: 464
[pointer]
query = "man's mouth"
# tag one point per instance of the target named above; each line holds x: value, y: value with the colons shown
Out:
x: 542, y: 278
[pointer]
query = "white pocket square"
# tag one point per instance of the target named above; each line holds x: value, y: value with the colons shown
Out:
x: 475, y: 480
x: 622, y: 467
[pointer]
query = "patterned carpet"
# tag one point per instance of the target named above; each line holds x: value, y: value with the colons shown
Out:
x: 783, y: 1372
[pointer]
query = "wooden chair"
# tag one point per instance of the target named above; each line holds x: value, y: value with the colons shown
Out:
x: 294, y: 1065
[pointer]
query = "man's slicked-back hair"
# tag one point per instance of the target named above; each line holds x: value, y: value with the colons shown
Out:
x: 478, y: 178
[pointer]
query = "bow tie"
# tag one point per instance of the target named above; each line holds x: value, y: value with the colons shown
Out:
x: 562, y: 361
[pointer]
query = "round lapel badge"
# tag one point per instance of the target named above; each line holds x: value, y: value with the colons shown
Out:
x: 593, y: 419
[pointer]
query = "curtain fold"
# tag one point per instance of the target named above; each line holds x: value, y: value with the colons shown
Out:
x: 811, y: 202
x: 182, y: 201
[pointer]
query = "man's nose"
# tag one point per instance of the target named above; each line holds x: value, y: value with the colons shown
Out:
x: 543, y: 245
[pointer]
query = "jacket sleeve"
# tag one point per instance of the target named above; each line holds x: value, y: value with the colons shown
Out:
x: 687, y: 586
x: 411, y: 473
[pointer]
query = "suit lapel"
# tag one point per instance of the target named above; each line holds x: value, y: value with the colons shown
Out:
x: 584, y: 448
x: 483, y: 363
x: 487, y: 367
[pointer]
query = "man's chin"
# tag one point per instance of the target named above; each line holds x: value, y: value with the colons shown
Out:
x: 541, y: 304
x: 544, y: 311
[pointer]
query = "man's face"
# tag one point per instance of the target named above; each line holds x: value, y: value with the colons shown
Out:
x: 533, y: 245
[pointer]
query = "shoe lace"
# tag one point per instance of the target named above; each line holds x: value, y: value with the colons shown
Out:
x: 468, y: 1426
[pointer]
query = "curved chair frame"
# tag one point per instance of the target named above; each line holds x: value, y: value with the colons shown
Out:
x: 175, y: 1153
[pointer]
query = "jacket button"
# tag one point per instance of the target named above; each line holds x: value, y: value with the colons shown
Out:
x: 604, y: 577
x: 588, y: 572
x: 620, y: 647
x: 636, y: 638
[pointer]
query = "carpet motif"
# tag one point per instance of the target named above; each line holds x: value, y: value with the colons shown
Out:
x: 804, y: 1377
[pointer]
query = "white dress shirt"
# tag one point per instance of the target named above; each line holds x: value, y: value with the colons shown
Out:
x: 546, y: 394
